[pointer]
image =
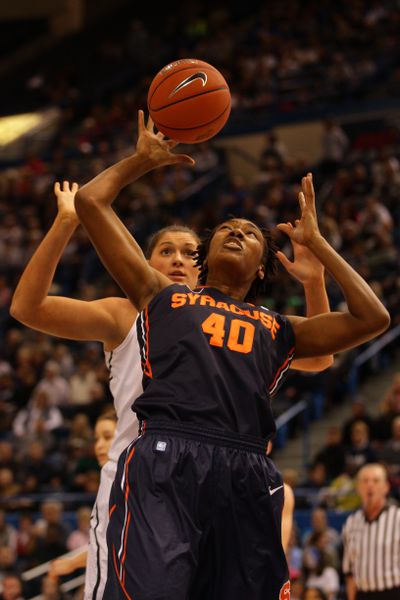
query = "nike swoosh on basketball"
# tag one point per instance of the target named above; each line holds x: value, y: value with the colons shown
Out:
x: 273, y: 490
x: 200, y: 75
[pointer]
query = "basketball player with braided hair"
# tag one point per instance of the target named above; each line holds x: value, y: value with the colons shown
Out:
x: 195, y: 496
x: 112, y: 321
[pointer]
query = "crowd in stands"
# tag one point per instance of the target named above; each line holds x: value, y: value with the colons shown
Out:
x: 52, y: 390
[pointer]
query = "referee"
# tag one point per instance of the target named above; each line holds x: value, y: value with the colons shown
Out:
x: 371, y: 540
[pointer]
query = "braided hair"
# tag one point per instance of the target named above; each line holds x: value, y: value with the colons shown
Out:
x: 268, y: 259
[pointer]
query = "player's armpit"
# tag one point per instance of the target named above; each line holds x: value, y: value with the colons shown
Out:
x: 312, y: 365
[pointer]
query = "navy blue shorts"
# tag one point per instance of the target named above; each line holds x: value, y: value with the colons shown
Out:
x: 195, y: 515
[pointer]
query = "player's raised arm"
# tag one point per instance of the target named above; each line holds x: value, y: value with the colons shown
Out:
x: 103, y: 320
x: 366, y: 316
x: 117, y: 249
x: 310, y: 272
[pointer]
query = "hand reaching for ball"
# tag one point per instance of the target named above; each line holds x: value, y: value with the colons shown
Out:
x: 304, y: 229
x: 155, y: 147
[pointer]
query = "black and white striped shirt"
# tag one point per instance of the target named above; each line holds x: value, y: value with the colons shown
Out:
x: 372, y: 550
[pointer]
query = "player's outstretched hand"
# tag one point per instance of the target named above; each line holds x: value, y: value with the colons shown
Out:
x: 305, y: 266
x: 65, y: 200
x: 305, y: 229
x: 155, y: 147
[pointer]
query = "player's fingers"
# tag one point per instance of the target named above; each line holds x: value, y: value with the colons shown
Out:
x: 309, y: 191
x: 285, y: 228
x: 65, y: 186
x: 171, y: 144
x: 184, y: 158
x: 74, y: 187
x: 57, y: 187
x: 283, y: 259
x: 302, y: 202
x: 141, y: 125
x: 150, y: 124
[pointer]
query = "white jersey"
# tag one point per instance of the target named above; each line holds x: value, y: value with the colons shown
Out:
x: 126, y: 375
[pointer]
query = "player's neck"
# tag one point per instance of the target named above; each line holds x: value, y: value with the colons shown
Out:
x: 229, y: 289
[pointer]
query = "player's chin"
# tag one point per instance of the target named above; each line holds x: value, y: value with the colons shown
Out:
x: 178, y: 278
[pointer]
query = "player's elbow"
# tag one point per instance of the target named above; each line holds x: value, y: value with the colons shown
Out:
x: 85, y: 203
x: 19, y: 310
x: 324, y: 362
x: 380, y: 321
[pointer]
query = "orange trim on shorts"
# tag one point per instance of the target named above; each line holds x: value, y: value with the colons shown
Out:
x: 114, y: 506
x: 119, y: 578
x: 127, y: 490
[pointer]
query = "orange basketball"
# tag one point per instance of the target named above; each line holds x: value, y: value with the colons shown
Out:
x: 189, y: 100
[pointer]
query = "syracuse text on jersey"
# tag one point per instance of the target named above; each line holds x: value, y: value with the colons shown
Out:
x: 190, y: 299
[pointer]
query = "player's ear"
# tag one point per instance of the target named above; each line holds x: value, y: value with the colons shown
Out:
x: 261, y: 272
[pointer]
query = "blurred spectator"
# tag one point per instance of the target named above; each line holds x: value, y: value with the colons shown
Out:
x: 359, y: 413
x: 342, y: 493
x: 82, y: 383
x: 313, y: 486
x: 332, y: 454
x: 389, y: 409
x: 51, y: 544
x: 8, y: 486
x: 39, y: 418
x: 26, y: 540
x: 51, y: 590
x: 54, y: 384
x: 8, y: 534
x: 359, y: 451
x: 331, y: 539
x: 294, y: 554
x: 35, y: 470
x: 334, y: 145
x: 390, y: 453
x: 318, y: 569
x: 12, y: 587
x: 7, y: 561
x: 80, y: 536
x: 51, y: 514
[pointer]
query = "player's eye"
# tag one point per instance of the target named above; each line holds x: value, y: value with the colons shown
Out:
x: 165, y: 252
x: 251, y: 232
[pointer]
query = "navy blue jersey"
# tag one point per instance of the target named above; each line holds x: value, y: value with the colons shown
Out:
x: 211, y: 361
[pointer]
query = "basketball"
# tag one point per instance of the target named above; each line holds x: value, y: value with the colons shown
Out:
x: 189, y: 101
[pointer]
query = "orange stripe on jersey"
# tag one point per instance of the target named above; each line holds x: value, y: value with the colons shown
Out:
x: 147, y: 366
x: 119, y: 578
x: 114, y: 506
x: 282, y: 367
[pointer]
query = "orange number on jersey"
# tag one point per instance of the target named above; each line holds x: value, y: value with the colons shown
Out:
x: 246, y: 345
x: 215, y: 326
x: 285, y: 591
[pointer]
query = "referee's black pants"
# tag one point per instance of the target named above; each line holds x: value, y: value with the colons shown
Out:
x: 195, y: 515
